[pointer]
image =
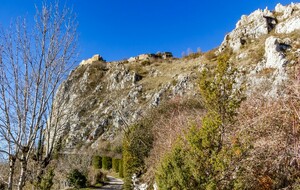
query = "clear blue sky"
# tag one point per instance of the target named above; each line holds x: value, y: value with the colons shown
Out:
x: 119, y: 29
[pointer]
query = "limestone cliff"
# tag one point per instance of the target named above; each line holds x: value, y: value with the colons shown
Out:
x: 102, y: 98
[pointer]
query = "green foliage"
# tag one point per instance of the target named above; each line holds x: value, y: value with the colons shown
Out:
x: 106, y: 163
x: 121, y: 170
x: 173, y: 172
x: 202, y: 160
x: 136, y: 146
x: 47, y: 181
x: 115, y: 164
x: 97, y: 162
x: 219, y: 89
x: 197, y: 162
x: 139, y: 138
x: 77, y: 179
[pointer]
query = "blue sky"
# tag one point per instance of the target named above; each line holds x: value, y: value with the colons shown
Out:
x: 118, y: 29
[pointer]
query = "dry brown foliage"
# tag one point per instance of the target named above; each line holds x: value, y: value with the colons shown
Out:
x: 272, y: 127
x: 167, y: 130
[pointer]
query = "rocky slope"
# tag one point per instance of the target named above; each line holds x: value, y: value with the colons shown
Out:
x: 102, y: 98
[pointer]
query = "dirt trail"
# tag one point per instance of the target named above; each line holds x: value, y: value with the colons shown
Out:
x: 112, y: 184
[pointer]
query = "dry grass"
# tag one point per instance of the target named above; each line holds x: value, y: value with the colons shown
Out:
x: 210, y: 55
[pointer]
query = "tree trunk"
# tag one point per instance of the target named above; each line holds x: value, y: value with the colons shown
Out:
x: 12, y: 161
x: 21, y: 183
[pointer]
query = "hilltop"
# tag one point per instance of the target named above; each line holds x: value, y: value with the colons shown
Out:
x: 102, y: 100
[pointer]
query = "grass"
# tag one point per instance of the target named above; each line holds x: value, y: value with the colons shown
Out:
x: 93, y: 187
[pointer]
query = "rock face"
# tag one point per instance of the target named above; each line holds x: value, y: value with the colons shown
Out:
x: 274, y: 52
x: 259, y: 23
x: 151, y: 56
x: 284, y: 20
x: 102, y: 98
x: 95, y: 58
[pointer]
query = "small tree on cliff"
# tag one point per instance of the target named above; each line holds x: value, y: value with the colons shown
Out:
x: 33, y: 62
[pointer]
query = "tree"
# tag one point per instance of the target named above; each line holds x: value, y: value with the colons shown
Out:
x: 221, y: 92
x: 77, y: 179
x: 33, y: 62
x: 201, y: 159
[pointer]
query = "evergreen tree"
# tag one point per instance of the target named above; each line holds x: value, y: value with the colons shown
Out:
x: 201, y: 160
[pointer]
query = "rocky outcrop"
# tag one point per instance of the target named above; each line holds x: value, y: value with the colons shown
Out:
x: 274, y: 52
x: 151, y: 57
x: 284, y: 20
x: 289, y: 18
x: 101, y: 98
x: 95, y: 58
x: 259, y: 23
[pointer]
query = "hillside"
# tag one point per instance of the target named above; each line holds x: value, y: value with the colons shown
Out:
x: 102, y: 100
x: 101, y: 97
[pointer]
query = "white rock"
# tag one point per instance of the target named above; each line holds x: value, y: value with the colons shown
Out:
x: 132, y: 59
x: 288, y: 26
x: 279, y: 8
x: 242, y: 56
x: 274, y: 57
x: 96, y: 57
x: 253, y: 26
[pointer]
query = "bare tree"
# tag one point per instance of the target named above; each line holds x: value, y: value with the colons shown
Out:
x: 34, y: 59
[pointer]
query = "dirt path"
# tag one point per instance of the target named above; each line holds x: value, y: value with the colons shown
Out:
x: 112, y: 184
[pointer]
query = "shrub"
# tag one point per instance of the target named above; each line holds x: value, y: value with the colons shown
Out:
x: 210, y: 55
x: 97, y: 162
x: 47, y: 181
x: 2, y: 185
x: 136, y: 147
x: 146, y: 62
x: 106, y: 163
x: 115, y: 164
x: 202, y: 159
x: 138, y: 141
x: 77, y: 179
x: 219, y: 91
x: 96, y: 176
x: 173, y: 173
x: 121, y: 173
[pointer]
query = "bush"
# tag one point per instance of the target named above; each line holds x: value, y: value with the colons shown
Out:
x: 139, y: 139
x: 136, y: 147
x: 115, y: 164
x: 145, y: 62
x: 121, y: 173
x: 77, y: 179
x: 202, y: 159
x: 96, y: 176
x: 173, y: 173
x: 97, y: 162
x: 219, y: 91
x: 210, y: 55
x: 106, y: 163
x: 2, y: 185
x: 47, y: 181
